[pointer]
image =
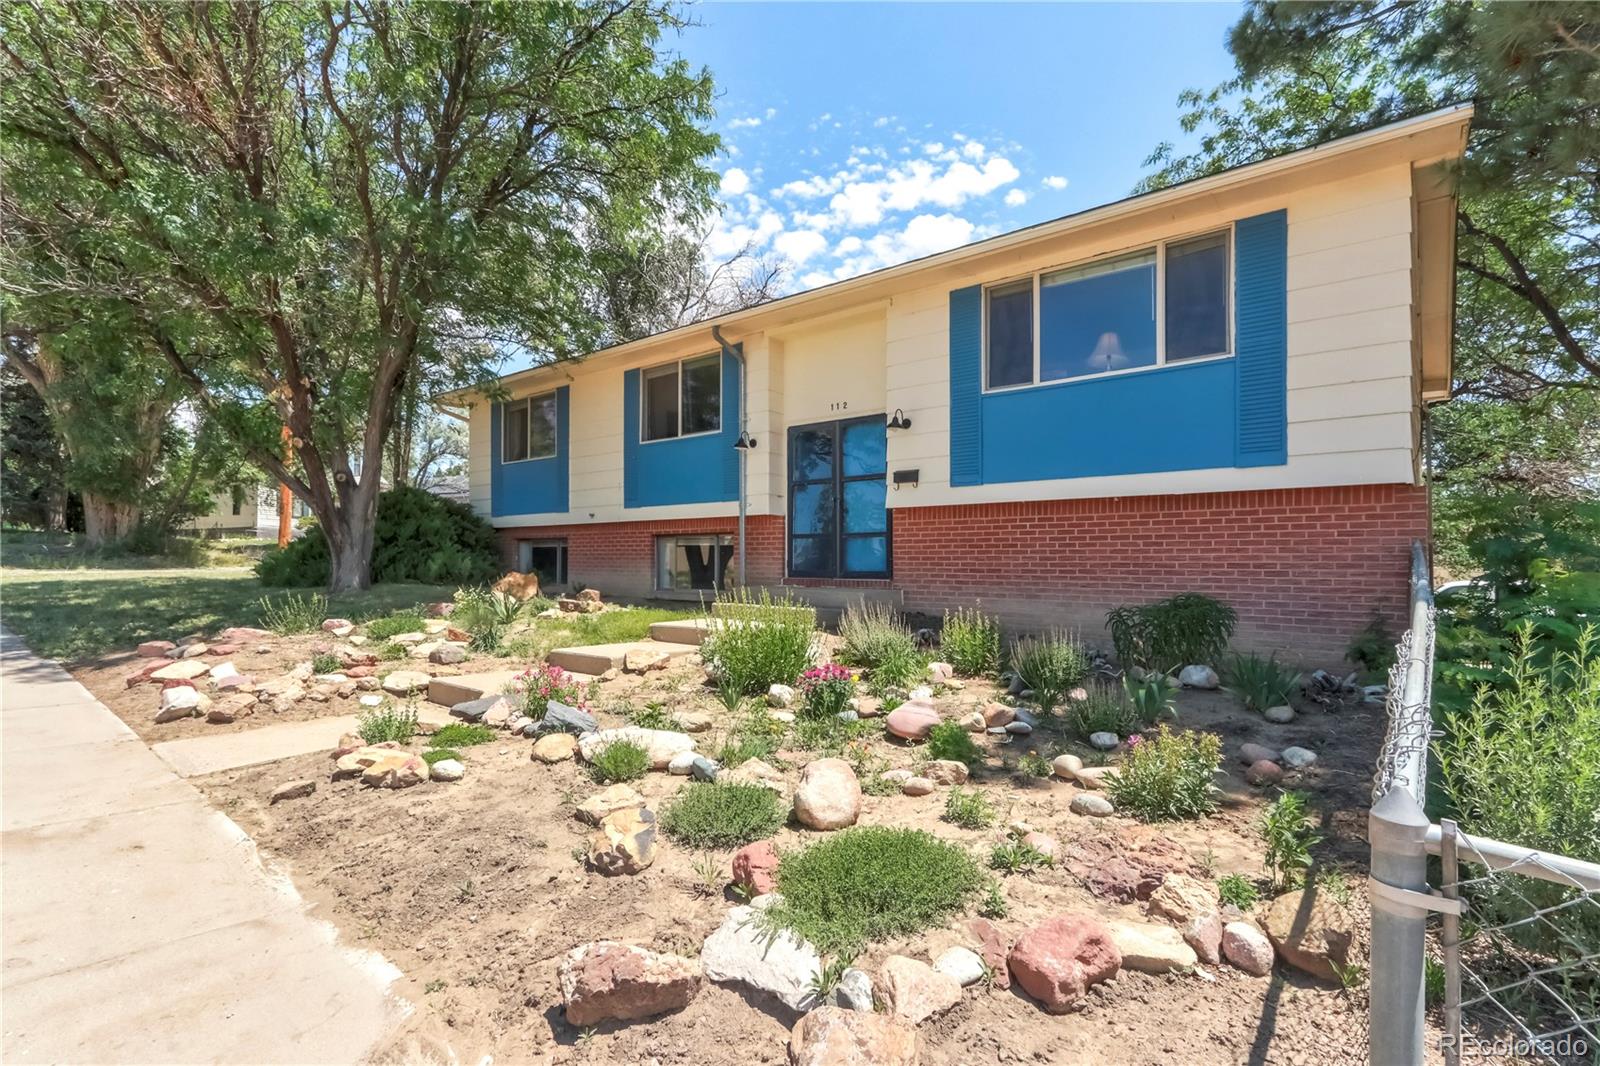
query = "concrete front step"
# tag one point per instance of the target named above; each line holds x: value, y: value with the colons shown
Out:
x: 459, y: 688
x: 598, y: 658
x: 681, y: 631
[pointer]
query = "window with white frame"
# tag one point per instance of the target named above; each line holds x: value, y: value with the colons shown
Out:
x: 547, y: 558
x: 681, y: 399
x: 528, y: 429
x: 697, y: 562
x: 1155, y: 306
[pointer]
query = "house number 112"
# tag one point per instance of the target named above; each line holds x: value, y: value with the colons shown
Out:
x: 842, y: 405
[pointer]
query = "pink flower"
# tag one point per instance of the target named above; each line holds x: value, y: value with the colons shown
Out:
x: 1135, y: 740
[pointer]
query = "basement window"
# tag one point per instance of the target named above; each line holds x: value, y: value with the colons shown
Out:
x: 547, y: 558
x: 697, y: 562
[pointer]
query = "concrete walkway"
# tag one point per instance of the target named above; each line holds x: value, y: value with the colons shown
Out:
x: 194, y: 756
x: 139, y: 924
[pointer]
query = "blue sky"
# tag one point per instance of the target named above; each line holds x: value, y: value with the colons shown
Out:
x: 861, y: 135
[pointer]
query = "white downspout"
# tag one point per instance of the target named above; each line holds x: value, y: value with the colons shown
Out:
x: 745, y: 442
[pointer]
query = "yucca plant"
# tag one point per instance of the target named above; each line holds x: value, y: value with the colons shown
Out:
x: 1260, y: 683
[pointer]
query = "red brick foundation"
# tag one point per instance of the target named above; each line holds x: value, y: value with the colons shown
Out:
x: 1305, y: 568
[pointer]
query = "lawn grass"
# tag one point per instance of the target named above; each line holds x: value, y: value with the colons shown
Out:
x: 28, y: 549
x: 75, y: 615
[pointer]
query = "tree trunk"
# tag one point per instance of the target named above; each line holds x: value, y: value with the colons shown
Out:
x: 350, y: 553
x: 56, y: 516
x: 106, y: 521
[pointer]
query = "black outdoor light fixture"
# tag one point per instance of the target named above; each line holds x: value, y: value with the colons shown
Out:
x: 899, y: 421
x: 745, y: 442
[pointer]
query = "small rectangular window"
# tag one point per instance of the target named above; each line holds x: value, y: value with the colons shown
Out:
x: 529, y: 430
x: 1098, y: 318
x: 1011, y: 334
x: 1197, y: 297
x: 698, y: 562
x: 547, y: 558
x: 681, y: 399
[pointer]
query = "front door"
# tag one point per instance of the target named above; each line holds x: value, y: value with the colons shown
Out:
x: 838, y: 518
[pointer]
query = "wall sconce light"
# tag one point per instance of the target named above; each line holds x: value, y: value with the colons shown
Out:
x: 899, y: 421
x: 745, y: 442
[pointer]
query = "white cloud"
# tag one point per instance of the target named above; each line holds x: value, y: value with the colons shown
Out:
x: 726, y: 241
x: 1016, y: 198
x: 849, y: 246
x: 800, y: 245
x: 882, y: 121
x: 772, y: 113
x: 973, y: 149
x: 735, y: 182
x: 1055, y: 181
x: 919, y: 182
x: 749, y: 122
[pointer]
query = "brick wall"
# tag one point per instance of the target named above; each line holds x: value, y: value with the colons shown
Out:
x: 1305, y: 568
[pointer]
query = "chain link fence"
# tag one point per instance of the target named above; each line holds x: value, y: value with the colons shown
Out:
x: 1515, y: 957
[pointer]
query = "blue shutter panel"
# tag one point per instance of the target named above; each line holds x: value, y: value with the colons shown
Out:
x: 966, y: 386
x: 630, y: 438
x: 1261, y: 300
x: 563, y: 459
x: 730, y: 426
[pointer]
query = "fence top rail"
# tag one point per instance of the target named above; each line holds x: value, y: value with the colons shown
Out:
x: 1510, y: 858
x: 1403, y: 762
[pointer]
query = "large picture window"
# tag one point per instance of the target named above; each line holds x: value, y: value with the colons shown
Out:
x: 699, y: 562
x: 528, y: 429
x: 1155, y: 306
x: 681, y: 399
x: 838, y: 499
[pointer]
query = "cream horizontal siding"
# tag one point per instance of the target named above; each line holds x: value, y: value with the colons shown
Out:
x: 479, y: 474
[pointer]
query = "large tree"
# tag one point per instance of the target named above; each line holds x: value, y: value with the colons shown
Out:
x: 1526, y: 422
x: 309, y: 208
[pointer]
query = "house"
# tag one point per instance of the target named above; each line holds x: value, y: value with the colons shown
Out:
x: 244, y: 511
x: 1220, y: 386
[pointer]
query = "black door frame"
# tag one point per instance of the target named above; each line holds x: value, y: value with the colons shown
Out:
x: 837, y: 427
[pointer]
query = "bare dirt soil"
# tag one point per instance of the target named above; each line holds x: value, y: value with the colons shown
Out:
x: 477, y: 889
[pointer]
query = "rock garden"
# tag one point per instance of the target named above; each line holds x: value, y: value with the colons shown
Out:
x: 760, y: 842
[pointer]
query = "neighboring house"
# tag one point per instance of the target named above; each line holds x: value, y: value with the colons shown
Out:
x: 452, y: 487
x: 245, y: 510
x: 1216, y: 387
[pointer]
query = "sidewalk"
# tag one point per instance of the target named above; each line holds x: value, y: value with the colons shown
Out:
x: 139, y: 924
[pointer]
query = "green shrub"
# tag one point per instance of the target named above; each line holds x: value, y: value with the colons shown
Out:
x: 1034, y: 764
x: 485, y: 615
x: 388, y: 723
x: 871, y: 633
x: 1167, y: 776
x: 324, y: 663
x: 722, y: 815
x: 901, y: 667
x: 1015, y: 857
x: 1521, y: 763
x: 654, y: 716
x: 970, y: 642
x: 756, y: 642
x: 1286, y: 828
x: 417, y: 537
x: 969, y: 810
x: 1105, y: 711
x: 391, y: 651
x: 1372, y: 648
x: 620, y: 760
x: 393, y: 625
x: 1238, y: 890
x: 1260, y: 683
x: 289, y: 614
x: 871, y: 883
x: 830, y: 735
x: 1051, y: 665
x: 462, y: 735
x: 1187, y: 628
x: 434, y: 755
x: 949, y: 740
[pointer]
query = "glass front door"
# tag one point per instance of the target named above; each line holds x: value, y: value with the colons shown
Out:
x: 838, y: 514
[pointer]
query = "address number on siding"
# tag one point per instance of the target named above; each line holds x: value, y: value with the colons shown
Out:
x: 842, y: 405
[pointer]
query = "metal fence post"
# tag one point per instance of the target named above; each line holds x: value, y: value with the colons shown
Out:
x: 1397, y: 829
x: 1450, y: 942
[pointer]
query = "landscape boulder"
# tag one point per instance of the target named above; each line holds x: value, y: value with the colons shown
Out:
x: 1198, y: 676
x: 182, y: 701
x: 853, y: 991
x: 1247, y: 948
x: 1299, y: 758
x: 1151, y: 948
x: 448, y: 654
x: 947, y: 772
x: 292, y: 790
x: 1091, y: 805
x: 1312, y: 932
x: 913, y: 990
x: 917, y: 786
x: 835, y: 1036
x: 625, y: 842
x: 828, y: 796
x: 644, y: 660
x: 963, y: 964
x: 517, y: 586
x: 1282, y: 714
x: 998, y: 715
x: 155, y: 649
x: 755, y: 867
x: 405, y: 682
x: 740, y: 952
x: 992, y: 946
x: 1254, y: 753
x: 780, y: 696
x: 555, y: 747
x: 447, y: 770
x: 1057, y: 961
x: 182, y: 670
x: 397, y: 769
x: 610, y: 982
x: 598, y: 807
x: 1263, y: 772
x: 912, y: 720
x: 660, y: 744
x: 560, y: 718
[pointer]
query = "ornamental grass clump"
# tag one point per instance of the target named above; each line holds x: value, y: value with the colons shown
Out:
x: 876, y: 639
x: 722, y: 815
x: 757, y: 641
x: 871, y: 883
x: 970, y: 642
x: 1104, y: 711
x: 1167, y: 776
x: 1051, y: 665
x: 1259, y: 683
x: 826, y: 690
x: 290, y: 613
x: 620, y: 760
